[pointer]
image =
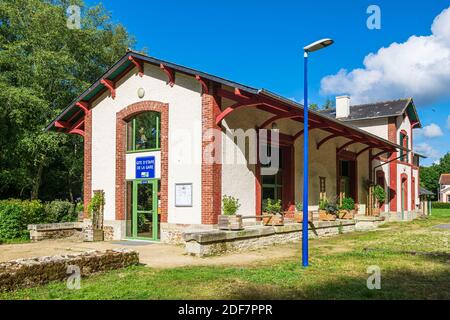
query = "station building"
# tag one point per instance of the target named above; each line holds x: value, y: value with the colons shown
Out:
x: 165, y: 142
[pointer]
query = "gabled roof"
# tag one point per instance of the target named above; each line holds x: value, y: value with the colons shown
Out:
x: 444, y: 179
x: 383, y: 109
x: 72, y: 114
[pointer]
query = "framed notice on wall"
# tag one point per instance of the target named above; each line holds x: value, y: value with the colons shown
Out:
x: 183, y: 194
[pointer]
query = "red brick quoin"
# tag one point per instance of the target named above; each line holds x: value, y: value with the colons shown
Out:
x: 87, y: 185
x: 121, y: 119
x: 211, y: 172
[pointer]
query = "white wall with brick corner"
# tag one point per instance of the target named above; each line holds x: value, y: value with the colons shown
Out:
x: 403, y: 123
x: 416, y: 187
x: 184, y: 100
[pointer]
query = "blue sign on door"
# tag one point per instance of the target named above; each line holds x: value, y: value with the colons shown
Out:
x: 145, y: 167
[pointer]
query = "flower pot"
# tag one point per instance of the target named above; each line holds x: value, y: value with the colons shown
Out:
x: 346, y: 214
x: 376, y: 212
x: 325, y: 216
x: 273, y: 220
x: 230, y: 222
x: 298, y: 217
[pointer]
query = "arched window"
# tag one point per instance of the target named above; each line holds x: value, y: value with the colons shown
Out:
x: 143, y: 132
x: 404, y: 142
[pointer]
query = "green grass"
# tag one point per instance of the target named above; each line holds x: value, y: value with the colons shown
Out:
x: 413, y: 257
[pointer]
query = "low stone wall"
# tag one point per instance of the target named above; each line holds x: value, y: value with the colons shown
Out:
x: 215, y: 242
x: 32, y: 272
x: 367, y: 223
x: 40, y: 232
x: 173, y: 233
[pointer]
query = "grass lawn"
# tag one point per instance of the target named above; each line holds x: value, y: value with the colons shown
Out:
x: 413, y: 257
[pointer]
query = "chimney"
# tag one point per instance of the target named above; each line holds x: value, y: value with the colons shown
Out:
x: 342, y: 107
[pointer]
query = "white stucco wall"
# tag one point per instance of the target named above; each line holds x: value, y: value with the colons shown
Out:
x: 377, y: 127
x: 184, y: 101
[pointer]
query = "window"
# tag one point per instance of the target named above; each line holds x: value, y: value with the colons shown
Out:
x: 273, y: 184
x: 323, y: 187
x: 404, y: 141
x: 143, y: 132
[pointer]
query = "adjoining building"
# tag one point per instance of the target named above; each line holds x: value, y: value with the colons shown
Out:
x: 444, y: 188
x: 166, y: 142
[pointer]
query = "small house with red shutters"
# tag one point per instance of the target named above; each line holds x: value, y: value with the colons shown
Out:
x: 165, y: 143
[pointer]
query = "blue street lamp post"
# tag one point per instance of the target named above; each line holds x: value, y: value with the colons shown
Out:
x: 310, y: 48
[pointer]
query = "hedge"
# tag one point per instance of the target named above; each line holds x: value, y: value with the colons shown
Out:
x: 16, y: 215
x: 440, y: 205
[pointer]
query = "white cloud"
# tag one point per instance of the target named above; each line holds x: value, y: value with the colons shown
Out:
x: 427, y: 150
x: 419, y: 67
x: 448, y: 122
x: 431, y: 131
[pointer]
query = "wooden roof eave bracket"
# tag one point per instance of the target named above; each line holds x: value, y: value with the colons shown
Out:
x: 169, y: 73
x: 139, y: 65
x: 203, y: 84
x: 110, y: 85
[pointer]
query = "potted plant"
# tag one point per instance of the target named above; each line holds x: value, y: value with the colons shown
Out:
x: 380, y: 196
x: 272, y: 213
x: 96, y: 209
x: 327, y: 210
x: 347, y: 209
x: 298, y: 215
x: 229, y: 220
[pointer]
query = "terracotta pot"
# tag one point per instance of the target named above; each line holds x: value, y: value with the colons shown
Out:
x: 231, y: 222
x: 298, y: 217
x: 325, y: 216
x: 273, y: 220
x: 346, y: 214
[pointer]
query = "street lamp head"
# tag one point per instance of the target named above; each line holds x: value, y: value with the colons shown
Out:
x: 318, y: 45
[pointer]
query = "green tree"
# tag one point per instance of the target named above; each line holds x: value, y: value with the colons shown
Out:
x: 429, y: 176
x: 44, y: 65
x: 329, y: 104
x: 314, y: 106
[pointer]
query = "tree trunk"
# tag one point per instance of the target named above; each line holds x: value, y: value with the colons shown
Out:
x: 37, y: 182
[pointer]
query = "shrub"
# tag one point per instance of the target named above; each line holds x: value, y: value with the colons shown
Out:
x: 379, y: 194
x: 272, y: 207
x: 60, y: 211
x: 323, y: 204
x: 331, y: 208
x: 230, y: 205
x: 440, y: 205
x: 348, y: 204
x: 16, y: 215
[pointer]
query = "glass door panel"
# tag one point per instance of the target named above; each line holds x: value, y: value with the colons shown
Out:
x: 145, y: 215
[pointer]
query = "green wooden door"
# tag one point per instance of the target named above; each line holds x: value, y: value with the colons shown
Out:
x: 145, y: 209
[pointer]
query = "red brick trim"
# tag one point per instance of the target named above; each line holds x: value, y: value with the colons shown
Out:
x: 404, y: 180
x: 211, y: 172
x: 392, y: 137
x: 121, y: 119
x: 87, y: 183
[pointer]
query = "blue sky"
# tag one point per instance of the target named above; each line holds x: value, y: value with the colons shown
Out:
x: 259, y: 43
